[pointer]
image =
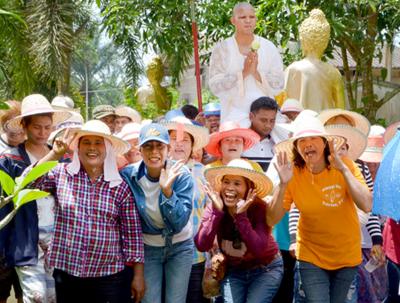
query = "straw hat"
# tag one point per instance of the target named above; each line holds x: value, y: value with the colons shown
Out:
x: 126, y: 111
x: 359, y: 121
x: 99, y: 128
x: 200, y: 134
x: 291, y: 105
x: 292, y: 126
x: 74, y: 122
x: 355, y: 139
x: 374, y: 151
x: 130, y: 131
x: 37, y: 104
x: 390, y: 132
x: 231, y: 129
x: 376, y: 130
x: 240, y: 167
x: 64, y: 103
x: 307, y: 126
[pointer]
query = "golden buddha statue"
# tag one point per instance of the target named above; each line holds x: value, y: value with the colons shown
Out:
x: 316, y: 84
x: 155, y: 92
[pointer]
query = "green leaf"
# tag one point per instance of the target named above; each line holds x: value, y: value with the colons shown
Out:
x: 7, y: 183
x: 35, y: 173
x: 384, y: 73
x: 4, y: 105
x: 28, y: 195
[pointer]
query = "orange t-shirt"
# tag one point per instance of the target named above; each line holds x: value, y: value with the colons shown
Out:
x: 328, y: 233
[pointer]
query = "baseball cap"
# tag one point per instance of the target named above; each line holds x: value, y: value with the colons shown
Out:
x: 153, y: 132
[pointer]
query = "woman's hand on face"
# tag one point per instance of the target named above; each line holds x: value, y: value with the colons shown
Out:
x: 214, y: 197
x: 334, y: 159
x: 242, y: 207
x: 284, y: 168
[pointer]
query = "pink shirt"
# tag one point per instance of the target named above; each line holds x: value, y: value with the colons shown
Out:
x: 391, y: 240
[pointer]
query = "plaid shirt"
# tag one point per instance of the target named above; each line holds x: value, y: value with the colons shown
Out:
x: 97, y: 228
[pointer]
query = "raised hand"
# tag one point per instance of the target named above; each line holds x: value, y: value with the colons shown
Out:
x: 250, y: 64
x: 284, y: 168
x: 168, y: 176
x: 214, y: 197
x: 334, y: 159
x: 61, y: 144
x: 242, y: 207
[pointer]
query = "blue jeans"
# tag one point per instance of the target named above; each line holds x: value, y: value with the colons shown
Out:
x: 171, y: 262
x: 325, y: 286
x: 253, y: 285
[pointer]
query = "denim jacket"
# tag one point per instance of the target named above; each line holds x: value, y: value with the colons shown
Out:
x: 175, y: 211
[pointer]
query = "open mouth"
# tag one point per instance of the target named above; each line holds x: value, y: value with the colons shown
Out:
x: 230, y: 197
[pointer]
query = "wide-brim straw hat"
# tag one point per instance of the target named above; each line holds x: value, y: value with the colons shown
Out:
x: 231, y: 129
x: 240, y: 167
x: 99, y: 128
x: 355, y: 139
x: 390, y: 132
x: 358, y: 120
x: 307, y: 126
x: 126, y: 111
x: 291, y: 105
x: 64, y: 103
x: 74, y: 122
x: 37, y: 104
x: 130, y: 131
x: 200, y: 134
x: 374, y: 151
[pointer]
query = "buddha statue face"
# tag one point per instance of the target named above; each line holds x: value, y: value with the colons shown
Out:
x: 155, y: 70
x: 314, y: 34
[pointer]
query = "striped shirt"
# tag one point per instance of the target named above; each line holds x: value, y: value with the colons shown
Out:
x: 199, y: 204
x: 262, y: 152
x: 97, y: 228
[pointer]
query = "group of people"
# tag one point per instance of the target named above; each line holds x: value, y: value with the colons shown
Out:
x: 270, y: 201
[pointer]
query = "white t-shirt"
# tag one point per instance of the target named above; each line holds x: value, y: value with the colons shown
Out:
x: 151, y: 190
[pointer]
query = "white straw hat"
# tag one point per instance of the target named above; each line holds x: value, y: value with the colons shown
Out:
x: 99, y: 128
x: 74, y: 122
x: 358, y: 120
x: 291, y: 105
x: 64, y: 103
x: 307, y: 126
x: 240, y: 167
x: 200, y: 134
x: 126, y: 111
x: 37, y: 104
x: 130, y: 131
x: 355, y: 139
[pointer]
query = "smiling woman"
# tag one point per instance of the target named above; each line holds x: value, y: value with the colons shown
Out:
x: 326, y: 190
x: 236, y: 217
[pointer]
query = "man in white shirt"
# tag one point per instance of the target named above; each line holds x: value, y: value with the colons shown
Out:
x: 244, y: 67
x: 263, y: 114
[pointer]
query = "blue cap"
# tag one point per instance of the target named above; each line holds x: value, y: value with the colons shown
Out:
x: 153, y: 132
x: 173, y: 113
x: 212, y: 109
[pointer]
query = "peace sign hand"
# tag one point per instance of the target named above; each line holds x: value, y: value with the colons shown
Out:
x: 214, y: 197
x: 61, y: 144
x: 284, y: 168
x: 249, y: 200
x: 168, y: 176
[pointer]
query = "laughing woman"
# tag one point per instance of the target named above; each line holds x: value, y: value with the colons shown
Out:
x: 325, y: 189
x: 237, y: 217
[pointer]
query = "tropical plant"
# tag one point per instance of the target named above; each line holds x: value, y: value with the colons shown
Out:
x: 359, y: 29
x: 16, y: 191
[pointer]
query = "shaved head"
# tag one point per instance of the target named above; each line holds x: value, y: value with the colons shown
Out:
x: 241, y: 5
